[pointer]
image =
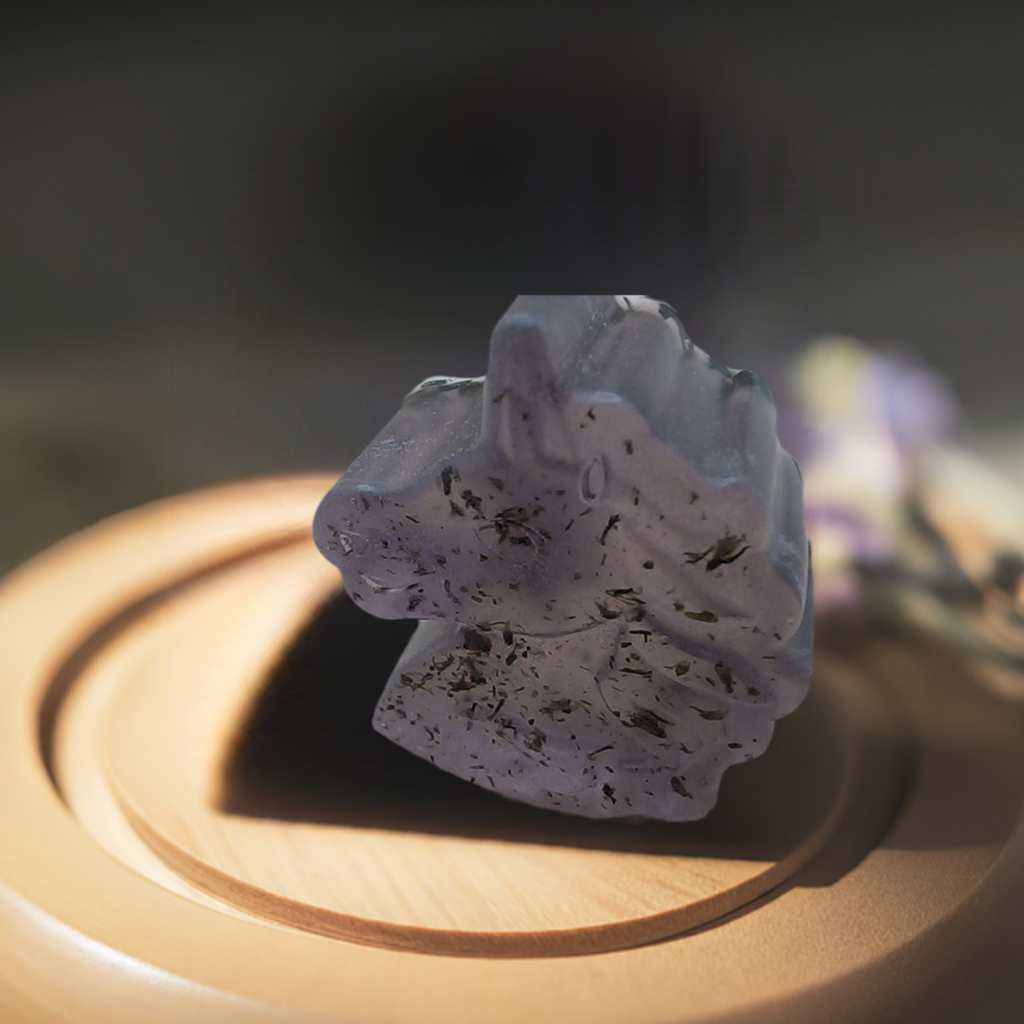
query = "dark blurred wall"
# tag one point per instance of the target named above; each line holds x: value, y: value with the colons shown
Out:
x: 232, y: 236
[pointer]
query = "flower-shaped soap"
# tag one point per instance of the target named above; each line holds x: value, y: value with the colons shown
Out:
x: 605, y: 543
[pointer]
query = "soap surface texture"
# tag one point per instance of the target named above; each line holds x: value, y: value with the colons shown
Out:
x: 605, y: 543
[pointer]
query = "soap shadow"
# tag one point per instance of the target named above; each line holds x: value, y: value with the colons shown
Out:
x: 307, y: 753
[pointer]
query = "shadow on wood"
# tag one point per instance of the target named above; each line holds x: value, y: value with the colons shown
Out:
x: 308, y: 753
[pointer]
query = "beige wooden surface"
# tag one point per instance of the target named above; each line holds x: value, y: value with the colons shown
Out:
x: 186, y: 678
x: 911, y: 904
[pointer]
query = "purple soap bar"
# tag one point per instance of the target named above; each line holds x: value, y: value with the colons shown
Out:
x: 605, y: 543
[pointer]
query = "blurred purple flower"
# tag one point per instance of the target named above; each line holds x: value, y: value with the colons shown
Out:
x: 858, y: 421
x: 916, y: 401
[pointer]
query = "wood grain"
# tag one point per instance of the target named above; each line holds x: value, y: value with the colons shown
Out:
x: 910, y: 911
x: 186, y: 676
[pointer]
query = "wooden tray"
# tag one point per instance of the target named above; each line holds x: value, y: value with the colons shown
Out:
x: 196, y: 821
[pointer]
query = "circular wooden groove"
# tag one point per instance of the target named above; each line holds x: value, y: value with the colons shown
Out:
x: 181, y: 680
x: 84, y: 932
x: 143, y: 732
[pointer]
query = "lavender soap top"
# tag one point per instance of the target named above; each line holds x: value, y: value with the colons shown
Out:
x: 604, y: 541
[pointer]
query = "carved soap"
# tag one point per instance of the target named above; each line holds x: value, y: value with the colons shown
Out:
x: 604, y: 541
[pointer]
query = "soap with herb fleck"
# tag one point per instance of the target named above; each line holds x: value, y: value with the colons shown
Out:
x: 604, y: 542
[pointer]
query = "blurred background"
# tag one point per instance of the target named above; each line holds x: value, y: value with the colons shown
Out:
x: 233, y: 236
